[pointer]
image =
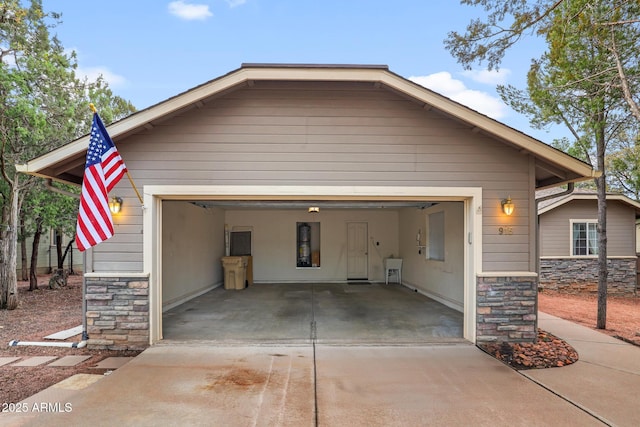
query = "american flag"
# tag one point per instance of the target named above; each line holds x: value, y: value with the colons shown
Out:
x: 103, y: 169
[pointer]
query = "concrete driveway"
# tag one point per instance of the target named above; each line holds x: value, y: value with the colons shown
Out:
x: 317, y: 378
x: 308, y: 385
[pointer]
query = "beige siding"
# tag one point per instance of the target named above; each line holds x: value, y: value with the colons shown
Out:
x: 555, y: 227
x: 325, y: 134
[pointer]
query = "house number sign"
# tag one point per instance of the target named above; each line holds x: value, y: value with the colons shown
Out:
x: 505, y: 230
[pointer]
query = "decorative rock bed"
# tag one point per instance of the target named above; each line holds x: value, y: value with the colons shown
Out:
x: 548, y: 351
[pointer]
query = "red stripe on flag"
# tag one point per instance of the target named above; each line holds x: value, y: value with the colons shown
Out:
x: 113, y: 167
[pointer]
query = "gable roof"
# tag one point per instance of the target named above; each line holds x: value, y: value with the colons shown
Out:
x: 578, y: 194
x: 553, y: 167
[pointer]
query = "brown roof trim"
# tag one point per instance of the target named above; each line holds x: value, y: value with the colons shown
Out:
x: 283, y: 65
x: 551, y: 204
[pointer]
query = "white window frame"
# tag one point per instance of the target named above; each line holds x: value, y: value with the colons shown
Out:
x: 588, y: 222
x: 430, y: 248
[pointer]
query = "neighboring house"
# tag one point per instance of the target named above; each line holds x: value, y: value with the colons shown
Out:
x: 569, y: 242
x: 394, y: 168
x: 48, y: 257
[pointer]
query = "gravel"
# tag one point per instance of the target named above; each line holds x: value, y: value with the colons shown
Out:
x: 548, y: 351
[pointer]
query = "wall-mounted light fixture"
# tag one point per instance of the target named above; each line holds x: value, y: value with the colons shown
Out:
x: 314, y: 209
x: 115, y: 205
x: 508, y: 206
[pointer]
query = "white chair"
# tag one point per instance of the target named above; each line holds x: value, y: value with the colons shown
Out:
x: 391, y: 266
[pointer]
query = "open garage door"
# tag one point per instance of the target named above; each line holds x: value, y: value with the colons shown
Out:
x: 191, y: 236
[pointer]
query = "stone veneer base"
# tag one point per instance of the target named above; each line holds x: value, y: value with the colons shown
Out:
x: 117, y: 312
x: 580, y: 275
x: 506, y: 309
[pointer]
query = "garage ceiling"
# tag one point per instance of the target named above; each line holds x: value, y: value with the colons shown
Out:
x: 305, y: 204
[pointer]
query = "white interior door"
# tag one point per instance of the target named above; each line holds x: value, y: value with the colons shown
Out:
x: 357, y: 251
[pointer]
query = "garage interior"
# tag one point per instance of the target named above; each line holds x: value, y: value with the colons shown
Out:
x: 327, y: 313
x: 316, y: 271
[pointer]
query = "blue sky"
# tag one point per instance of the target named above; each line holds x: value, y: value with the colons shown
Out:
x: 150, y: 50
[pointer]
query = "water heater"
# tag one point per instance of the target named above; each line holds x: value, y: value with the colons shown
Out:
x: 304, y: 245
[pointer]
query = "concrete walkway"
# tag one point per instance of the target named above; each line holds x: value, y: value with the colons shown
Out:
x: 332, y: 385
x: 605, y: 380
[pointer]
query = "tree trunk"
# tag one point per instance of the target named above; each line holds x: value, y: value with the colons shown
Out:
x: 67, y: 250
x: 23, y: 250
x: 59, y: 277
x: 33, y: 271
x: 8, y: 249
x: 603, y: 272
x: 59, y: 249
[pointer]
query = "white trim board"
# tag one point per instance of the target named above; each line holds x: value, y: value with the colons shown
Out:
x: 152, y: 226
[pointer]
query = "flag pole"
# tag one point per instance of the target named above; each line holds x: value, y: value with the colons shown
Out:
x: 95, y: 111
x: 85, y: 335
x: 135, y: 188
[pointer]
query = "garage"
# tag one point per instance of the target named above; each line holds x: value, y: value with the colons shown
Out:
x: 364, y: 229
x: 388, y: 168
x: 317, y: 265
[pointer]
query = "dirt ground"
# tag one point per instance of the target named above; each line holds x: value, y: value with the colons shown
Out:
x: 44, y: 311
x: 623, y: 322
x: 41, y: 313
x: 623, y: 314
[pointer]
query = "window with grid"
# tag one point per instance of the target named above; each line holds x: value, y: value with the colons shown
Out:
x: 584, y: 239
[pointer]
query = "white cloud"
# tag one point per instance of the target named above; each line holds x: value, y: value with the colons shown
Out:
x: 493, y: 77
x: 10, y: 60
x: 92, y: 73
x: 188, y: 11
x: 444, y: 84
x: 234, y: 3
